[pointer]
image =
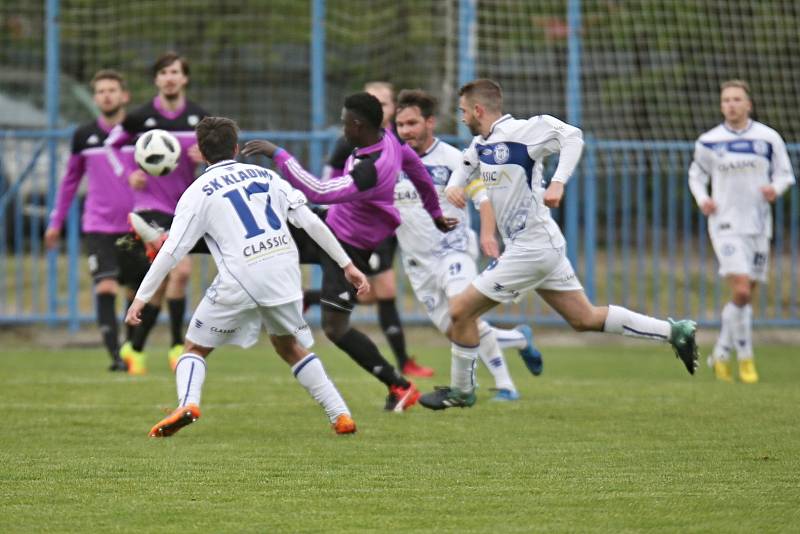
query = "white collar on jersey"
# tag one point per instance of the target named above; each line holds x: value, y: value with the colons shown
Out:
x: 495, y: 123
x: 220, y: 164
x: 738, y: 132
x: 432, y: 147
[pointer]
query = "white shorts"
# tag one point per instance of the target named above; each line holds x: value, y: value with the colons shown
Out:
x: 519, y: 270
x: 213, y: 325
x: 437, y: 281
x: 742, y: 254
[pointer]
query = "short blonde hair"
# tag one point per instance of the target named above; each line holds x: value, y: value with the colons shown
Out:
x: 741, y: 84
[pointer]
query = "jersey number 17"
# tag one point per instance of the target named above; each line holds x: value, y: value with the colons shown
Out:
x: 246, y: 215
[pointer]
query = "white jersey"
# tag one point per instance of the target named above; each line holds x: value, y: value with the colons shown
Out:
x: 242, y: 211
x: 417, y: 234
x: 738, y: 165
x: 510, y: 163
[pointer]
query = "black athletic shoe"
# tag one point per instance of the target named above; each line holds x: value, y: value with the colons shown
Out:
x: 118, y: 365
x: 443, y: 397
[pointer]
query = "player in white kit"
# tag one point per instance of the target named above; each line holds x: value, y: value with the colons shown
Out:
x: 242, y: 212
x: 507, y: 154
x: 440, y: 265
x: 748, y: 166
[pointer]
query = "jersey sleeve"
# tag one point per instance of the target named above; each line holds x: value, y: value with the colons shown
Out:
x: 187, y: 226
x: 547, y: 135
x: 469, y: 168
x: 422, y: 181
x: 781, y: 174
x: 476, y: 191
x: 341, y: 151
x: 352, y: 186
x: 76, y: 167
x: 699, y: 175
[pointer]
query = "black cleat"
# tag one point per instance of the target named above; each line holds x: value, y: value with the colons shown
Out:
x: 118, y: 365
x: 443, y: 397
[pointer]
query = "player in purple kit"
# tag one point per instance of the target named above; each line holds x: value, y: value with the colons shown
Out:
x: 155, y: 198
x: 362, y: 214
x: 108, y: 201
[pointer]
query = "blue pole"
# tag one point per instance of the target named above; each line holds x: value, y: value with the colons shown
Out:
x: 317, y: 83
x: 467, y: 46
x: 590, y: 217
x: 573, y: 100
x: 52, y: 105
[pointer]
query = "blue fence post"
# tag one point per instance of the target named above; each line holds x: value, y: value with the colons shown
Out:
x: 317, y: 84
x: 590, y: 217
x: 52, y: 86
x: 574, y: 112
x: 467, y: 46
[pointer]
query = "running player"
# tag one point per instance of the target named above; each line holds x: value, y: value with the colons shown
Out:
x: 105, y: 212
x: 155, y: 198
x: 242, y: 211
x: 439, y: 266
x: 507, y: 155
x: 362, y: 215
x: 748, y: 166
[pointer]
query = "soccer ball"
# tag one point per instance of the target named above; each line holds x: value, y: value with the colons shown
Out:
x: 157, y: 152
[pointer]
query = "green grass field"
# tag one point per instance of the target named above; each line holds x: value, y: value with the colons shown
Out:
x: 612, y: 438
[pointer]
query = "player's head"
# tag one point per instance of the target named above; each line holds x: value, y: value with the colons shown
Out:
x: 218, y: 139
x: 110, y: 93
x: 735, y: 101
x: 416, y: 119
x: 480, y: 101
x: 384, y: 92
x: 171, y: 74
x: 361, y: 119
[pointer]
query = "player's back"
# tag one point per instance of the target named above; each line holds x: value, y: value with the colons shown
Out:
x: 242, y: 210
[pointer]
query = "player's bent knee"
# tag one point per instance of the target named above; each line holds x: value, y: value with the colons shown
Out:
x: 194, y: 348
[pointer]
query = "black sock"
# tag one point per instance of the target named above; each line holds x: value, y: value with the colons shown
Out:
x: 140, y: 333
x: 107, y: 321
x: 364, y: 352
x: 392, y: 328
x: 177, y: 309
x: 311, y: 298
x: 128, y: 328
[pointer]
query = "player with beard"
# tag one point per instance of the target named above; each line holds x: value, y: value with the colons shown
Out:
x: 155, y: 198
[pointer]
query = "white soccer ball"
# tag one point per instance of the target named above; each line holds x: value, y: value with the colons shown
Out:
x: 157, y: 152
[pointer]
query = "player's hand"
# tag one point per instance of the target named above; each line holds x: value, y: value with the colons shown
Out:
x: 455, y: 196
x: 51, y: 237
x: 133, y: 317
x: 445, y: 224
x: 769, y: 193
x: 137, y: 179
x: 357, y: 278
x: 259, y: 148
x: 489, y: 245
x: 708, y: 207
x: 194, y: 154
x: 553, y: 194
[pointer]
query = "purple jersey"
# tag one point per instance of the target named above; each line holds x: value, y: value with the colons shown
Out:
x: 109, y: 198
x: 362, y: 212
x: 161, y: 193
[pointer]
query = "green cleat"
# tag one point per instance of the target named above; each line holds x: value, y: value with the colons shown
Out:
x: 443, y: 397
x: 682, y: 339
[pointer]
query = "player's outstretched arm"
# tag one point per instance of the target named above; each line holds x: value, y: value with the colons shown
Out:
x: 76, y: 167
x: 488, y: 240
x: 349, y: 187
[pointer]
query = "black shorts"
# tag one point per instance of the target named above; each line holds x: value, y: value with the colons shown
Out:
x: 337, y: 293
x: 104, y: 257
x: 382, y: 259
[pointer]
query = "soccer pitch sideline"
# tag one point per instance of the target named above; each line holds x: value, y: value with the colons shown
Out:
x: 611, y: 438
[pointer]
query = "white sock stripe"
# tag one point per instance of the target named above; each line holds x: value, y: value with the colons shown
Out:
x: 302, y: 363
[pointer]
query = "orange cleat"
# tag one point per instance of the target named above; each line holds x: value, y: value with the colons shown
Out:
x: 412, y: 368
x: 152, y: 237
x: 344, y: 425
x: 400, y: 399
x: 179, y: 418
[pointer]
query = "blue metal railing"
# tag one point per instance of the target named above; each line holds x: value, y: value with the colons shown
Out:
x: 639, y: 239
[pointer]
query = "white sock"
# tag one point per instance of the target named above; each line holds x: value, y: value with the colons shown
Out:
x: 725, y: 341
x: 743, y: 331
x: 492, y: 357
x: 311, y: 375
x: 190, y: 373
x: 509, y: 339
x: 462, y: 367
x: 629, y: 323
